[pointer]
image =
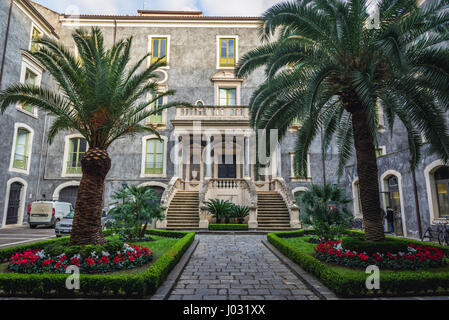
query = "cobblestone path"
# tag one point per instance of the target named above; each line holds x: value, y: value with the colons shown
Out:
x: 237, y: 267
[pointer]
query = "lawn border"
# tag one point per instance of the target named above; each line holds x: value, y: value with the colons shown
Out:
x: 165, y: 289
x: 228, y: 227
x: 310, y: 281
x: 354, y: 286
x: 98, y: 285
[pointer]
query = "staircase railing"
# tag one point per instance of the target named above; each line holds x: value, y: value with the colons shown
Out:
x: 174, y: 186
x: 278, y: 184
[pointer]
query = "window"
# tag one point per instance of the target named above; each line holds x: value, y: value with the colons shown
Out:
x: 77, y: 148
x: 157, y: 117
x: 227, y: 97
x: 21, y: 156
x: 154, y: 157
x: 380, y: 115
x: 227, y: 52
x: 394, y: 199
x: 158, y: 49
x: 442, y: 188
x: 380, y: 151
x: 199, y: 103
x: 293, y: 176
x: 31, y: 80
x: 35, y: 35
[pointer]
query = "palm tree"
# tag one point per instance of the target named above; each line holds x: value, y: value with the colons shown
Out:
x: 327, y: 66
x: 103, y: 99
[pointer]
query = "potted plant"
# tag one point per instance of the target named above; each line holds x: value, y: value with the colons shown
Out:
x: 219, y: 209
x: 239, y: 213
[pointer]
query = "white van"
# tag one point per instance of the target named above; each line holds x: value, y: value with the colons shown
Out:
x: 48, y: 213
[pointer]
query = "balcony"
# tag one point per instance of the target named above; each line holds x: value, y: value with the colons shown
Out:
x: 213, y: 114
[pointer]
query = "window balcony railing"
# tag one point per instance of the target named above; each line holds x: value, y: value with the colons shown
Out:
x: 212, y: 113
x: 154, y: 168
x: 20, y: 161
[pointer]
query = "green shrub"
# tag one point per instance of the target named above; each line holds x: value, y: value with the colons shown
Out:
x: 220, y: 209
x: 325, y: 208
x: 370, y: 247
x: 239, y: 212
x: 228, y: 227
x: 113, y: 245
x: 55, y: 250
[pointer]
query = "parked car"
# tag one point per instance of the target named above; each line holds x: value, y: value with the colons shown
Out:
x: 64, y: 227
x: 48, y: 213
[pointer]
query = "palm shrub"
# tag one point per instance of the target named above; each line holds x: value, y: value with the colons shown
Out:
x: 327, y: 68
x: 239, y: 212
x: 101, y: 96
x: 220, y: 209
x: 134, y: 209
x: 325, y: 208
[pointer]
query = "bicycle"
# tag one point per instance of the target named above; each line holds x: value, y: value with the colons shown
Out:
x: 443, y: 233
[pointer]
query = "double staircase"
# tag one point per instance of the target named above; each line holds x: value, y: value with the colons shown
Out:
x: 272, y: 213
x: 183, y: 211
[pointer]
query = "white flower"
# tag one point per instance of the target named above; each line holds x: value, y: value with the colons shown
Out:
x: 105, y: 254
x: 41, y: 254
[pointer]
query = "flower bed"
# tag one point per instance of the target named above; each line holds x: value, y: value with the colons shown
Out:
x: 417, y: 257
x: 349, y: 282
x: 39, y: 261
x: 94, y: 285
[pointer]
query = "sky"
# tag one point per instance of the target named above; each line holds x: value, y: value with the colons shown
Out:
x: 130, y: 7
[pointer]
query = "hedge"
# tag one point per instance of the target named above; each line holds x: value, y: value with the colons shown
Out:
x: 228, y: 227
x: 402, y: 283
x: 135, y: 285
x: 370, y: 247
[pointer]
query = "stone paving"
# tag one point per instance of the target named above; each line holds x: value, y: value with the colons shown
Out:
x: 237, y: 267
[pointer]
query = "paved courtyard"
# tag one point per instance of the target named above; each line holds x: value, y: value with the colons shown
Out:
x: 23, y: 234
x: 237, y: 267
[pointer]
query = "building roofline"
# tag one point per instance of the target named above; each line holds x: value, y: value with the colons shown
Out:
x: 38, y: 15
x: 169, y: 12
x: 161, y: 17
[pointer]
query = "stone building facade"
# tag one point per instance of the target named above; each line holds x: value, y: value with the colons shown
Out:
x: 201, y: 52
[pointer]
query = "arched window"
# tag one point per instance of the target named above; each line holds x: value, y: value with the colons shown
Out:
x: 394, y: 198
x: 442, y: 188
x: 21, y: 152
x: 154, y: 157
x: 77, y: 148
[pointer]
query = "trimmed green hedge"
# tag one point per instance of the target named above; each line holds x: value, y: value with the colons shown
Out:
x: 135, y: 285
x: 228, y: 227
x: 370, y: 247
x: 352, y: 284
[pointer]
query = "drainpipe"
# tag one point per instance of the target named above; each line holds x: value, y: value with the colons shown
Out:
x: 323, y: 157
x: 115, y: 30
x: 415, y: 191
x: 6, y: 42
x: 40, y: 158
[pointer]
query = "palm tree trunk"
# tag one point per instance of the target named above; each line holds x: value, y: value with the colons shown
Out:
x: 86, y: 227
x: 368, y: 176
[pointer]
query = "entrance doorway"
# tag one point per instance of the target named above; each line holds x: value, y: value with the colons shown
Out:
x: 12, y: 215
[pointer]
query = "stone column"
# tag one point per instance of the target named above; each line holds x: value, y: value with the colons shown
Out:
x: 278, y: 160
x: 208, y: 158
x: 247, y: 174
x: 176, y: 156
